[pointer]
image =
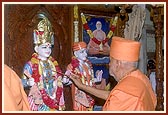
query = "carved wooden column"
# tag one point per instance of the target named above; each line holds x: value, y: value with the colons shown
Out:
x: 123, y: 18
x: 157, y: 14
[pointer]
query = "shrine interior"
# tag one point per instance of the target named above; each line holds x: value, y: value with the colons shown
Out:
x: 140, y: 22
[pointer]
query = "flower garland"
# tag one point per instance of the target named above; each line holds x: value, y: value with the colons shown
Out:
x: 52, y: 103
x: 89, y: 32
x: 75, y: 64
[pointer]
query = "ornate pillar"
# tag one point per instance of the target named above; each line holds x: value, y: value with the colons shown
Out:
x: 76, y: 22
x: 157, y: 16
x: 122, y: 14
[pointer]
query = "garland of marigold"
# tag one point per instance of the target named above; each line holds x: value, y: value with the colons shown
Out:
x: 52, y: 103
x: 113, y: 24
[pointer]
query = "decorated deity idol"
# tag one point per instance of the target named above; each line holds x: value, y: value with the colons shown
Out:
x: 41, y: 73
x: 81, y: 66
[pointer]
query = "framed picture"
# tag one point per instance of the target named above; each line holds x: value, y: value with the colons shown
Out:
x: 97, y: 32
x: 92, y: 24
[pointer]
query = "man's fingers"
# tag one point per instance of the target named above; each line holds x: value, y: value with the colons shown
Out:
x: 74, y: 76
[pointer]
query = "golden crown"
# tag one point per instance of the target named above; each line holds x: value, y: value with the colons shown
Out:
x: 43, y: 33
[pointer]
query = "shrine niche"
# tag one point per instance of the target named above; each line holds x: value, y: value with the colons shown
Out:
x: 20, y: 21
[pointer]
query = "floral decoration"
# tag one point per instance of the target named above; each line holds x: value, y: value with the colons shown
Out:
x: 52, y: 103
x: 90, y: 33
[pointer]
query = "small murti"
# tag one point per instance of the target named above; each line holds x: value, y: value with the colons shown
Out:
x: 81, y: 66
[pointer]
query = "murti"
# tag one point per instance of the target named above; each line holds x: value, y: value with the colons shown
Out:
x: 83, y: 68
x: 47, y: 92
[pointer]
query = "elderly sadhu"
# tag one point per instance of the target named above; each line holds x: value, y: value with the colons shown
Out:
x: 133, y: 91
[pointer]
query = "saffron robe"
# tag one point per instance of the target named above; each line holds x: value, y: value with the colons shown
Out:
x: 15, y: 98
x: 133, y: 93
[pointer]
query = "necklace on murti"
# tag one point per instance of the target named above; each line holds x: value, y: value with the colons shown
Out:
x: 87, y: 72
x: 47, y: 89
x: 47, y: 76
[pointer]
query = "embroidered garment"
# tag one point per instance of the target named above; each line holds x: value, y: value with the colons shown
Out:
x: 81, y: 100
x: 47, y: 92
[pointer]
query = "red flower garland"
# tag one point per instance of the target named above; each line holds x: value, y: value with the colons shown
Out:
x: 51, y: 103
x: 86, y: 26
x: 75, y: 63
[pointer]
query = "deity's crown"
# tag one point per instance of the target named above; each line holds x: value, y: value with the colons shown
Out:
x: 44, y: 32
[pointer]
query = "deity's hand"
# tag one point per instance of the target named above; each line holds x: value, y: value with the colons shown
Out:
x: 30, y: 81
x: 65, y: 78
x: 99, y: 74
x: 27, y: 74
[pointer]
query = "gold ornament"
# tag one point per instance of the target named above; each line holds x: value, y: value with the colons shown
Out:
x: 76, y: 12
x: 43, y: 33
